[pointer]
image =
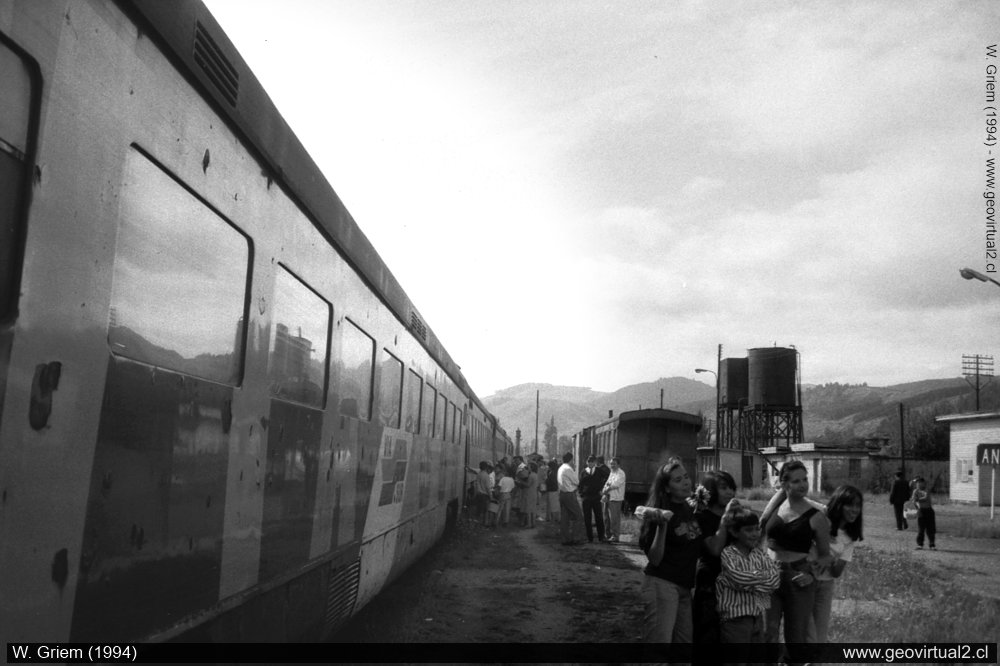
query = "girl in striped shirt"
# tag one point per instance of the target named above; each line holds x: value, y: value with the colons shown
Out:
x: 747, y: 580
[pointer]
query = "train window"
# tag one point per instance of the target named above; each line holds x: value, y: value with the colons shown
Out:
x: 356, y: 369
x: 390, y: 390
x: 16, y: 88
x: 430, y: 397
x: 300, y: 331
x: 179, y: 293
x: 444, y: 420
x: 439, y: 419
x: 414, y: 391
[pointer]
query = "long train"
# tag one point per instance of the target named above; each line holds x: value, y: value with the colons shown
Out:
x: 221, y: 418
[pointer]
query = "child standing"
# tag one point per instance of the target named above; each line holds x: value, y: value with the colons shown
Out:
x: 505, y: 486
x: 747, y: 580
x: 844, y: 514
x: 925, y: 513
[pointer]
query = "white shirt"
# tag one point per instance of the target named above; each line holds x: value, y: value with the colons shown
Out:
x: 616, y: 484
x: 841, y: 548
x: 507, y: 484
x: 567, y: 478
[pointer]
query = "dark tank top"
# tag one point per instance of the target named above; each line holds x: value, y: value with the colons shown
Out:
x: 795, y: 536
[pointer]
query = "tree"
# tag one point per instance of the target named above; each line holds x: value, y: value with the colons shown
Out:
x: 551, y: 438
x: 565, y: 444
x: 704, y: 435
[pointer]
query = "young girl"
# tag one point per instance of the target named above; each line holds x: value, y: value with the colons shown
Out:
x: 505, y: 486
x: 793, y: 523
x: 711, y: 502
x: 671, y: 540
x: 844, y: 514
x: 925, y: 513
x: 747, y: 579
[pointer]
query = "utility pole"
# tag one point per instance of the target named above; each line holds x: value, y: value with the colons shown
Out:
x: 902, y: 442
x: 718, y: 388
x: 536, y: 419
x: 976, y: 365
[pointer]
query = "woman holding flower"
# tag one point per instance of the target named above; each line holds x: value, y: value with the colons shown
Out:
x: 710, y: 502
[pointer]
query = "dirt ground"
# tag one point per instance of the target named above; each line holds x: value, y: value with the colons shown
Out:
x: 521, y: 585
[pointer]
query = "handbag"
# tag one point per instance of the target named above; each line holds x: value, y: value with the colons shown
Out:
x: 909, y: 510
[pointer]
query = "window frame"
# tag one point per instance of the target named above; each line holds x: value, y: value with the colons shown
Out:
x: 9, y: 303
x: 240, y: 361
x: 369, y: 407
x: 410, y: 377
x: 328, y: 341
x: 388, y: 355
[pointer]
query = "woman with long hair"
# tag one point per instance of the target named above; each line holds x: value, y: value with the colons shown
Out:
x: 793, y: 524
x: 671, y: 540
x: 846, y: 528
x: 711, y: 501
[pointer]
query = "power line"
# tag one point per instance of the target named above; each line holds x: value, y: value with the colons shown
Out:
x: 977, y: 365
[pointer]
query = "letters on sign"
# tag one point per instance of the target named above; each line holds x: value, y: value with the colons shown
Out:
x: 988, y: 454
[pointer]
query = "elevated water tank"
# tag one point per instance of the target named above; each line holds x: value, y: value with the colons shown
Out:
x: 732, y: 382
x: 772, y: 372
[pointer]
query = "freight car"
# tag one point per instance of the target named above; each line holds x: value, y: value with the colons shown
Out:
x: 221, y: 417
x: 642, y: 440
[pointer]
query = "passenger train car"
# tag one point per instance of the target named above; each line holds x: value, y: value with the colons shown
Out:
x: 642, y: 440
x: 221, y: 417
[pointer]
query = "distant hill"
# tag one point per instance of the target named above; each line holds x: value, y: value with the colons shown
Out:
x: 575, y: 408
x: 830, y: 412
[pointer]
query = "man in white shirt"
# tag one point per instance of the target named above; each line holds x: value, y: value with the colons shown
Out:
x: 614, y: 495
x: 569, y: 504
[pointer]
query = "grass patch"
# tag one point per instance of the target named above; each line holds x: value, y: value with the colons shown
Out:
x: 759, y: 494
x: 891, y: 597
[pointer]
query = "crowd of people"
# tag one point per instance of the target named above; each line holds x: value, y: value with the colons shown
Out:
x: 587, y: 505
x: 717, y: 571
x: 720, y: 573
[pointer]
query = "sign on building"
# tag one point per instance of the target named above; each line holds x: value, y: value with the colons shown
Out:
x: 989, y: 454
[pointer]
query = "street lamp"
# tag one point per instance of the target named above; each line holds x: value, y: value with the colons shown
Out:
x: 716, y: 411
x: 970, y: 274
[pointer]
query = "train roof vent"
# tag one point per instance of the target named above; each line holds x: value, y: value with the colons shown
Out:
x: 417, y: 326
x: 214, y: 63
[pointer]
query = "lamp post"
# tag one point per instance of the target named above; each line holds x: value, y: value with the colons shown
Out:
x: 716, y: 412
x: 970, y: 274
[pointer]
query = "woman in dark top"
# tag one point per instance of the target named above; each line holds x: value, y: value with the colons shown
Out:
x: 793, y: 522
x: 671, y: 539
x: 711, y: 500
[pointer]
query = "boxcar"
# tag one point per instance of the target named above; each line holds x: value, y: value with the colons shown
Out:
x: 642, y: 440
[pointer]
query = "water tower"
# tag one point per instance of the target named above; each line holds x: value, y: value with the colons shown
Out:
x: 773, y: 413
x: 733, y: 389
x: 760, y: 406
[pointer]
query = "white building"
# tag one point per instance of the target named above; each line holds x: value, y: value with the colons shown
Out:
x: 970, y: 482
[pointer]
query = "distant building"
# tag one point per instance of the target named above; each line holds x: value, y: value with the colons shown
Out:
x: 862, y: 463
x: 828, y: 465
x: 971, y: 482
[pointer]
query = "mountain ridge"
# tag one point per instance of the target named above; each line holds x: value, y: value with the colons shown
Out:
x: 831, y: 413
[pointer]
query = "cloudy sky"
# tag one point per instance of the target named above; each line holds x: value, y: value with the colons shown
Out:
x: 600, y: 193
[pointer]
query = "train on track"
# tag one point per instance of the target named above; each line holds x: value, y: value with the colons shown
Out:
x: 642, y: 440
x: 221, y: 417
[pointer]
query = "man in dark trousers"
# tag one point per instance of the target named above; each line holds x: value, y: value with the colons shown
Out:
x: 897, y: 498
x: 591, y: 485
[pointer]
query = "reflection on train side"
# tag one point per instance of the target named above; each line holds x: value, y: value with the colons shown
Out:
x: 180, y: 274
